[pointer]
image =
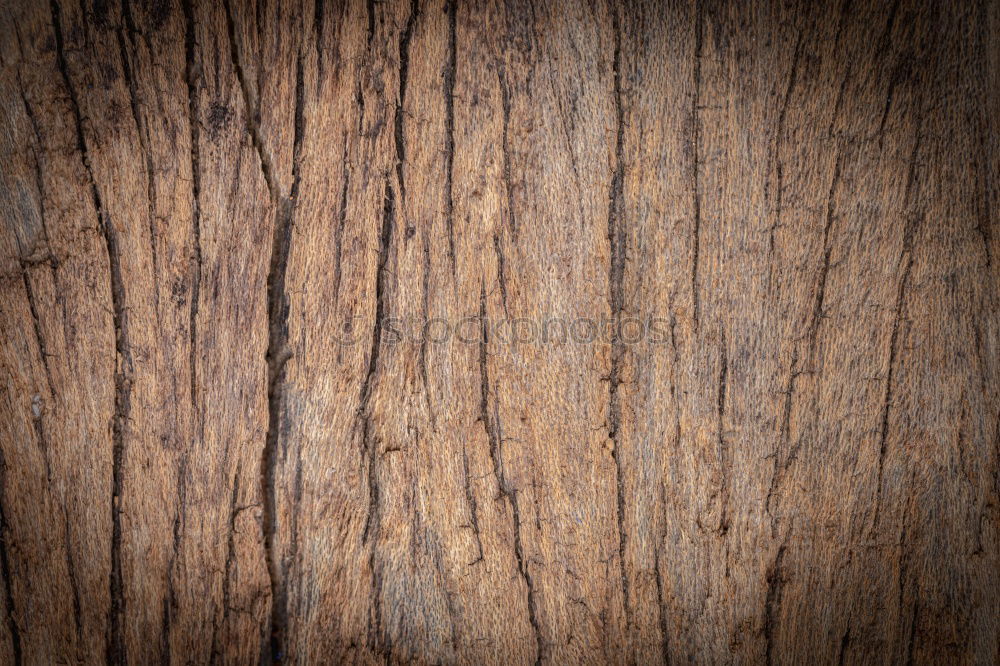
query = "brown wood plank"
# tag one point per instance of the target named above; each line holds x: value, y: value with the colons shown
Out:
x: 306, y: 326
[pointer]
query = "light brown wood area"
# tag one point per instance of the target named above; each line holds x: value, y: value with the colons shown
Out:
x: 225, y: 225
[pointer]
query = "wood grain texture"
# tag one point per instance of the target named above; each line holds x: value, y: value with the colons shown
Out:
x: 223, y: 437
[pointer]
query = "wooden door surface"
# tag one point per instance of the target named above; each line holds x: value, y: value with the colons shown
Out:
x: 510, y: 332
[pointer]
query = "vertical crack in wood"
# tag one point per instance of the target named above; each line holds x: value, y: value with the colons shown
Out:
x: 37, y: 328
x: 404, y: 69
x: 359, y: 99
x: 278, y: 354
x: 391, y: 209
x: 839, y: 102
x: 841, y: 21
x: 776, y: 156
x: 505, y: 103
x: 494, y: 436
x: 780, y: 128
x: 661, y: 610
x: 389, y: 213
x: 338, y: 235
x: 986, y: 135
x: 904, y: 577
x: 367, y: 386
x: 227, y: 567
x: 913, y: 217
x: 781, y: 465
x: 986, y: 180
x: 50, y: 257
x: 39, y: 175
x: 673, y: 377
x: 695, y: 161
x: 73, y: 582
x: 142, y: 131
x: 278, y: 351
x: 8, y: 582
x: 884, y: 42
x: 293, y: 547
x: 178, y: 528
x: 842, y: 15
x: 298, y: 135
x: 470, y: 498
x: 616, y: 303
x: 817, y: 313
x: 449, y: 124
x: 897, y: 73
x: 725, y: 461
x: 790, y: 453
x: 492, y: 427
x: 426, y: 331
x: 981, y: 358
x: 370, y: 7
x: 192, y: 75
x: 123, y: 370
x: 501, y: 271
x: 251, y: 108
x: 775, y: 585
x: 368, y: 447
x: 915, y: 614
x: 845, y: 642
x: 985, y: 205
x: 319, y: 18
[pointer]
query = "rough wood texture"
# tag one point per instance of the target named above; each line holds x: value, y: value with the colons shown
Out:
x: 223, y: 221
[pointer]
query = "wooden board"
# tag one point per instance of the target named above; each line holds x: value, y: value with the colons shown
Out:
x: 308, y: 318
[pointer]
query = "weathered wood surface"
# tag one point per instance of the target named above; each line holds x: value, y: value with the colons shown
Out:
x: 220, y: 218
